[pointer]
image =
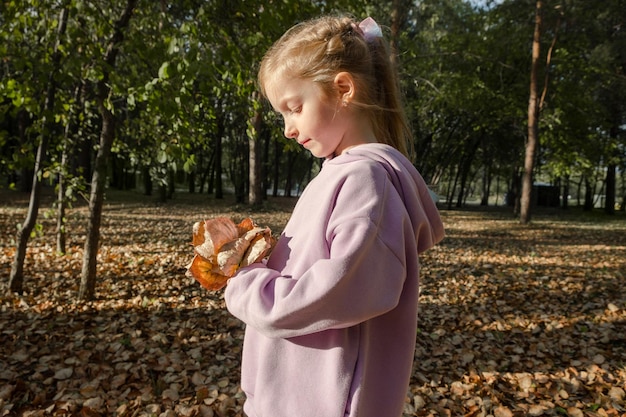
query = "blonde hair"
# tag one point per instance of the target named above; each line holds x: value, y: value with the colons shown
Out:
x: 319, y: 49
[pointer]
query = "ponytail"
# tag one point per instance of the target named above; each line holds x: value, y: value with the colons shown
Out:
x: 391, y: 124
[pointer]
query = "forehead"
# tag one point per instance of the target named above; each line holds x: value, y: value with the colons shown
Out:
x: 281, y: 91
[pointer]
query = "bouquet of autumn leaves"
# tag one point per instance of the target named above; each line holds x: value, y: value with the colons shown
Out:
x: 221, y: 247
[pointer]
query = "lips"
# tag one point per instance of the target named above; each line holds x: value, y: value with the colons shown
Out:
x: 304, y: 142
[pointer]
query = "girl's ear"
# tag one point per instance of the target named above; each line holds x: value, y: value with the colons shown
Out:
x: 345, y: 87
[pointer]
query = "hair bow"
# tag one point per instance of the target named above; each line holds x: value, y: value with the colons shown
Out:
x: 370, y: 29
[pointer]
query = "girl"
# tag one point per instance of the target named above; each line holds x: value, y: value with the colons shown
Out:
x: 332, y: 316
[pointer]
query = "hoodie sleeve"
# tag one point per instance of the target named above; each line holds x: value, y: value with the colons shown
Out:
x: 369, y: 236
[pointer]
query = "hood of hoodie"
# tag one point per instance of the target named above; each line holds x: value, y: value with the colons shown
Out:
x: 409, y: 184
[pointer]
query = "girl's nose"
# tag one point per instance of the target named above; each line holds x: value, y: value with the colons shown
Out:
x: 290, y: 131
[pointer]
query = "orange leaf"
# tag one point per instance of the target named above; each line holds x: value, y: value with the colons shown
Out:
x: 202, y: 271
x: 209, y: 236
x: 221, y: 248
x: 259, y: 248
x: 245, y: 226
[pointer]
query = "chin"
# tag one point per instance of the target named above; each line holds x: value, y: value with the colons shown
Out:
x: 322, y: 154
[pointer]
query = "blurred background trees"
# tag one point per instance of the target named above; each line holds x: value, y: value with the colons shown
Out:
x: 182, y: 94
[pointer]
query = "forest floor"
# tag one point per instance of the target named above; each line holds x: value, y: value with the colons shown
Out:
x: 514, y: 320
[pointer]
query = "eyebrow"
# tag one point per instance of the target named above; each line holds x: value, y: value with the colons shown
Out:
x: 285, y: 101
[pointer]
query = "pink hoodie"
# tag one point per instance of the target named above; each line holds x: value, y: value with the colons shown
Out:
x: 332, y: 317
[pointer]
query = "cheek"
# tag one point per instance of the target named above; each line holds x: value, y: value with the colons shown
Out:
x: 329, y: 114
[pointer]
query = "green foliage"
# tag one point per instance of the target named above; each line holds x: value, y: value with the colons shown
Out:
x: 185, y: 79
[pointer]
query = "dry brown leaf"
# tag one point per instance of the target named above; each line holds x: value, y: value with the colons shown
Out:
x: 617, y: 394
x: 574, y: 412
x: 502, y: 411
x: 221, y: 247
x: 64, y: 373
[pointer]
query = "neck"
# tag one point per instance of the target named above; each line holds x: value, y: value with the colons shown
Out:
x: 360, y: 134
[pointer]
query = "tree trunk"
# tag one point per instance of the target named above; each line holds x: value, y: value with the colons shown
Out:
x: 399, y: 13
x: 191, y: 185
x: 611, y: 170
x: 589, y: 191
x: 609, y: 202
x: 464, y: 174
x: 291, y: 158
x: 623, y: 188
x: 61, y: 199
x: 162, y: 192
x: 533, y: 121
x: 147, y: 180
x: 64, y: 172
x: 452, y: 187
x: 465, y: 167
x: 486, y: 183
x: 16, y: 277
x: 565, y: 195
x: 207, y: 176
x: 276, y: 171
x: 266, y: 138
x: 218, y: 184
x: 98, y: 179
x: 255, y: 157
x: 26, y: 173
x: 171, y: 183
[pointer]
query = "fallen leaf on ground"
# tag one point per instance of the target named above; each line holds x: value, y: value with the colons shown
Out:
x: 512, y: 318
